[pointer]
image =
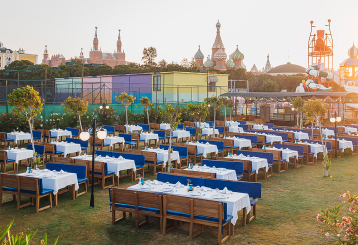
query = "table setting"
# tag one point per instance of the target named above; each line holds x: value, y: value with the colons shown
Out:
x: 327, y: 132
x: 232, y: 124
x: 209, y: 131
x: 344, y: 144
x: 112, y: 140
x: 220, y: 173
x: 205, y: 148
x: 256, y: 162
x: 58, y: 133
x: 19, y: 154
x: 149, y: 136
x: 131, y: 128
x: 240, y: 142
x: 202, y: 125
x: 164, y: 126
x: 181, y: 134
x: 67, y: 148
x: 315, y: 148
x: 350, y: 130
x: 286, y: 154
x: 17, y: 136
x: 236, y: 129
x: 260, y: 126
x: 235, y: 200
x: 162, y: 155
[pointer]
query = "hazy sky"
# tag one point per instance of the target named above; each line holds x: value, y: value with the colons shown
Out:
x: 176, y: 28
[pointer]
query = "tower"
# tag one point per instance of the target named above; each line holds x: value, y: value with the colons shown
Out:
x: 119, y: 55
x: 81, y: 54
x: 199, y: 57
x: 268, y: 65
x: 119, y: 42
x: 237, y: 57
x: 218, y: 44
x: 45, y: 53
x: 95, y: 41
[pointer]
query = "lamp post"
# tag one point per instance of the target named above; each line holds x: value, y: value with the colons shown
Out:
x: 85, y: 135
x: 82, y: 72
x: 18, y: 74
x: 334, y: 120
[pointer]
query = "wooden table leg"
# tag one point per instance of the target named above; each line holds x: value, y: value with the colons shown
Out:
x: 73, y: 192
x: 56, y: 200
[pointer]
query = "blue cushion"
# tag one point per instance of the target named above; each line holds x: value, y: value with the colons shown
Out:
x: 58, y: 152
x: 110, y: 172
x: 155, y: 210
x: 124, y: 205
x: 229, y: 217
x: 183, y: 156
x: 239, y: 176
x: 9, y: 140
x: 253, y: 201
x: 270, y: 164
x: 81, y: 180
x: 198, y: 154
x: 43, y: 192
x: 9, y: 189
x: 8, y: 160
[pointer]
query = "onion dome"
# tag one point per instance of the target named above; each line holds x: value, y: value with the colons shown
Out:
x: 353, y: 52
x: 220, y: 55
x: 230, y: 63
x: 237, y: 55
x: 199, y: 55
x: 208, y: 62
x: 218, y: 24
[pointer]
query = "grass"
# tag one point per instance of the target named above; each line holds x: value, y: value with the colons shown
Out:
x: 286, y: 213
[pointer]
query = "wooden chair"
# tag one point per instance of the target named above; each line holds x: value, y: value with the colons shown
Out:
x: 99, y: 144
x: 138, y: 152
x: 120, y: 129
x: 247, y: 167
x: 8, y: 185
x: 281, y: 165
x: 154, y: 126
x: 64, y: 160
x: 3, y: 138
x: 192, y: 151
x: 50, y: 150
x: 151, y: 160
x: 30, y: 187
x: 197, y: 174
x: 188, y: 209
x: 136, y: 139
x: 100, y: 172
x: 83, y: 163
x: 4, y: 162
x: 167, y: 136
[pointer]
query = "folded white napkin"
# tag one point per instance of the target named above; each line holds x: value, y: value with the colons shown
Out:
x: 207, y: 143
x: 225, y: 190
x: 178, y: 184
x: 62, y: 172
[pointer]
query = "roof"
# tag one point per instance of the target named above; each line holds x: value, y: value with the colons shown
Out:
x: 3, y: 50
x: 288, y: 68
x: 284, y: 94
x: 353, y: 61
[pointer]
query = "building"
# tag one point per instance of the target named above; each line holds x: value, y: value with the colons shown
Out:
x: 95, y: 55
x: 255, y: 71
x: 8, y: 55
x: 268, y: 67
x: 219, y: 59
x: 287, y: 69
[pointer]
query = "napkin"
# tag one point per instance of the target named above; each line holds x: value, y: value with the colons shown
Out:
x: 62, y: 172
x: 207, y: 143
x: 120, y: 158
x: 178, y: 184
x: 225, y: 190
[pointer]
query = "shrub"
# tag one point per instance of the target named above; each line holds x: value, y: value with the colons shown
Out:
x: 106, y: 116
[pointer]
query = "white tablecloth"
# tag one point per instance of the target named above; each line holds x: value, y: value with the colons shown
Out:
x: 327, y: 132
x: 68, y: 148
x: 232, y: 124
x: 132, y: 128
x: 240, y: 142
x: 148, y: 136
x: 220, y: 173
x: 54, y: 180
x: 113, y: 164
x: 59, y: 133
x: 315, y: 148
x: 19, y: 154
x: 286, y: 154
x: 236, y: 129
x: 235, y: 201
x: 270, y: 138
x: 350, y: 130
x: 205, y: 148
x: 344, y: 144
x: 256, y: 162
x: 19, y: 136
x: 113, y: 140
x: 209, y: 131
x: 260, y: 126
x: 164, y: 126
x: 181, y: 134
x: 202, y: 125
x: 162, y: 155
x: 301, y: 136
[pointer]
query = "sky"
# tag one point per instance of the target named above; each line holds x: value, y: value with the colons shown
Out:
x: 176, y: 28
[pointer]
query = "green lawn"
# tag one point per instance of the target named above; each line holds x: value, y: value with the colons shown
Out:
x: 286, y: 213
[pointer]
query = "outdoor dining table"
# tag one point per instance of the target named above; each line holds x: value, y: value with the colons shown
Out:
x: 260, y: 126
x: 205, y: 148
x: 162, y: 155
x: 236, y: 129
x: 209, y: 131
x: 300, y: 135
x: 18, y: 136
x: 256, y: 162
x: 164, y: 126
x: 235, y: 201
x: 240, y: 142
x: 350, y: 130
x: 131, y: 128
x: 112, y: 140
x: 344, y: 144
x: 181, y: 134
x: 220, y: 173
x: 327, y: 132
x: 113, y: 164
x: 149, y: 136
x: 67, y: 148
x: 232, y: 124
x: 314, y: 148
x: 202, y: 125
x: 59, y: 133
x: 271, y: 138
x: 19, y: 154
x: 286, y: 153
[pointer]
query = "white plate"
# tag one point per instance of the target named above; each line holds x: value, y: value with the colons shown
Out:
x: 146, y: 187
x: 194, y: 193
x: 167, y: 189
x: 218, y: 197
x: 221, y: 169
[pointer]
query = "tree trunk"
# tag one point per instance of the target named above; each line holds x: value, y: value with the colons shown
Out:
x: 297, y: 119
x: 301, y: 117
x: 225, y: 116
x: 148, y: 116
x: 230, y: 114
x: 312, y: 130
x: 169, y: 149
x: 214, y: 121
x: 79, y: 118
x: 32, y: 140
x: 127, y: 122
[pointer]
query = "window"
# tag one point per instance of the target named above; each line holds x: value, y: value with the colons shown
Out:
x: 156, y: 83
x: 211, y: 87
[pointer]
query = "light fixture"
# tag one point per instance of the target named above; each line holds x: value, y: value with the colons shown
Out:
x: 338, y: 119
x: 84, y: 135
x: 332, y: 119
x: 101, y: 134
x: 107, y: 106
x: 100, y: 107
x: 293, y: 109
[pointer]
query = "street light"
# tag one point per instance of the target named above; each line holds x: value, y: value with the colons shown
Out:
x: 334, y: 120
x: 82, y: 72
x: 85, y: 135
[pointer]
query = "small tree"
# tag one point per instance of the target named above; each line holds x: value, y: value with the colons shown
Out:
x: 27, y: 104
x: 146, y: 103
x: 126, y: 100
x: 315, y: 112
x: 269, y: 86
x: 170, y: 115
x: 226, y: 102
x: 215, y: 103
x: 149, y: 55
x: 198, y: 112
x: 298, y: 104
x: 76, y: 105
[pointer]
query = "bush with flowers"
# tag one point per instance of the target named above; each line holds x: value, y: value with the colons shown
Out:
x: 106, y: 116
x: 87, y: 119
x: 10, y: 122
x: 341, y: 228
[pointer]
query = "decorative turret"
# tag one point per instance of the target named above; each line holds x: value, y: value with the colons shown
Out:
x: 208, y: 62
x: 199, y: 57
x: 268, y: 65
x: 218, y: 44
x: 81, y: 54
x: 230, y: 63
x: 254, y: 69
x: 220, y: 55
x: 95, y: 41
x: 45, y: 53
x: 353, y: 52
x: 237, y: 57
x: 119, y: 42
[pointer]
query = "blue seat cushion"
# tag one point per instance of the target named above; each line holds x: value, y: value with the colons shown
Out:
x: 8, y: 160
x: 124, y: 205
x: 198, y: 154
x: 183, y: 156
x: 43, y: 192
x: 108, y: 173
x: 270, y: 164
x: 139, y: 166
x: 82, y: 180
x: 40, y: 155
x: 155, y: 210
x: 83, y: 148
x: 275, y: 160
x: 9, y: 189
x: 252, y: 171
x: 239, y: 176
x: 130, y: 142
x: 253, y: 201
x: 58, y: 152
x: 229, y: 217
x: 9, y: 139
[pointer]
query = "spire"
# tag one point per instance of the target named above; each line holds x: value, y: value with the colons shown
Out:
x: 81, y: 54
x: 119, y: 42
x: 268, y: 64
x: 95, y: 33
x: 119, y: 34
x: 45, y: 51
x: 218, y: 43
x: 95, y: 41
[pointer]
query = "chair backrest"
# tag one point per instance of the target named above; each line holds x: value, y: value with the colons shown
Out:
x: 188, y: 124
x: 138, y: 159
x: 192, y: 131
x: 164, y: 177
x: 160, y: 133
x: 103, y: 153
x: 150, y: 156
x: 291, y: 146
x: 3, y: 136
x: 181, y: 126
x: 221, y: 129
x: 154, y: 126
x: 197, y: 174
x: 40, y: 149
x: 149, y: 200
x: 84, y: 144
x: 80, y: 162
x: 251, y: 188
x: 110, y: 129
x: 219, y: 144
x: 269, y: 125
x: 219, y: 123
x: 275, y: 154
x: 74, y: 131
x: 241, y: 122
x: 120, y: 128
x: 8, y: 180
x: 123, y: 196
x: 127, y: 137
x: 135, y: 136
x: 145, y: 127
x: 37, y: 134
x: 237, y: 166
x: 211, y: 123
x: 65, y: 160
x: 29, y: 184
x: 81, y: 171
x: 191, y: 148
x: 99, y: 168
x: 138, y: 152
x: 48, y: 147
